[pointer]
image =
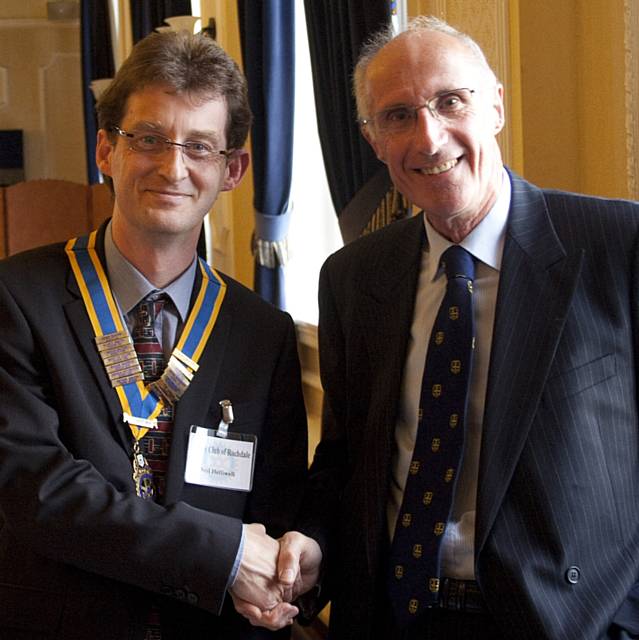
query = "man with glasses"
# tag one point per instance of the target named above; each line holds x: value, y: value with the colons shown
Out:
x: 150, y: 405
x: 536, y: 534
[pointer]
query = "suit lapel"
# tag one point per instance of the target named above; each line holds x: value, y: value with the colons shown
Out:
x: 536, y: 286
x: 81, y: 326
x: 193, y: 406
x: 385, y: 311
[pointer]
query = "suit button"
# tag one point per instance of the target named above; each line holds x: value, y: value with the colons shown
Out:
x: 573, y: 574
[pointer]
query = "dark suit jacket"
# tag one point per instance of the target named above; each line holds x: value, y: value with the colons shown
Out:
x: 80, y: 555
x: 557, y: 534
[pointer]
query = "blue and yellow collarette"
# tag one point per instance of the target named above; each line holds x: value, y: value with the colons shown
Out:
x: 141, y: 404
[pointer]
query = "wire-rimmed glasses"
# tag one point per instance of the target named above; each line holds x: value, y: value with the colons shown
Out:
x: 154, y: 144
x: 448, y: 105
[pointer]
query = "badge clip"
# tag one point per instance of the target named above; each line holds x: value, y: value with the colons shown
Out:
x: 227, y: 418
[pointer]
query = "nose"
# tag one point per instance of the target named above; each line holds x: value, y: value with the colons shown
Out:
x: 430, y: 131
x: 172, y: 164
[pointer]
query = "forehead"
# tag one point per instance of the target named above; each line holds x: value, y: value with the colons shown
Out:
x: 417, y: 65
x: 163, y: 107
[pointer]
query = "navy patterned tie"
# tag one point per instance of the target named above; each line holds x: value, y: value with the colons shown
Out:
x: 156, y: 443
x: 430, y: 485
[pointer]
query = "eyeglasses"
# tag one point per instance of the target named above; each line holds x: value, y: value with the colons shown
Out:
x: 153, y: 145
x: 446, y: 106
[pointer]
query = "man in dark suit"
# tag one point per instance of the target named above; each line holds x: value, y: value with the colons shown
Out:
x: 542, y: 537
x: 123, y: 497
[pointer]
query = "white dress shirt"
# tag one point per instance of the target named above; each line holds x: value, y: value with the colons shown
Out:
x: 486, y: 244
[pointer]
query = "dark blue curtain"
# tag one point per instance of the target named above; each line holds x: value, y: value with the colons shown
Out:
x: 336, y: 32
x: 147, y: 15
x: 97, y: 62
x: 267, y: 29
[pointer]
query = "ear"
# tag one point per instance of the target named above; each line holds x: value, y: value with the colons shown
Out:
x: 370, y: 138
x: 236, y: 167
x: 498, y: 106
x: 103, y: 151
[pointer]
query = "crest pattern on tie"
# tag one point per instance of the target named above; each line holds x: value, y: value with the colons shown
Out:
x: 425, y: 510
x: 156, y: 443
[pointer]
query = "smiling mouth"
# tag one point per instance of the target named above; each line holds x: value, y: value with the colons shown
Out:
x: 169, y: 194
x: 440, y: 168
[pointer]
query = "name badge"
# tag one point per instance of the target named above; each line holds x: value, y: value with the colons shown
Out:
x: 222, y: 461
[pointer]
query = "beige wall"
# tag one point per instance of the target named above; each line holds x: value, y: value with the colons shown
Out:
x: 23, y: 9
x: 548, y: 40
x: 41, y: 94
x: 232, y: 219
x: 573, y: 95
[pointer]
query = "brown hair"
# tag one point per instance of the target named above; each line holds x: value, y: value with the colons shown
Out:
x: 187, y: 63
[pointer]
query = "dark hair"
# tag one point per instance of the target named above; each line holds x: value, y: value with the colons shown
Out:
x: 187, y: 63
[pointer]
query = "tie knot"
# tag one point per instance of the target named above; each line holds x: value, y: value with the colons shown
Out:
x: 458, y: 263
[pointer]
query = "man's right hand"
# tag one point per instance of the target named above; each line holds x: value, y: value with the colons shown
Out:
x: 298, y: 568
x: 256, y: 581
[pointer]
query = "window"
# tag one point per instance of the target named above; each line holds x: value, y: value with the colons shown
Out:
x: 314, y: 232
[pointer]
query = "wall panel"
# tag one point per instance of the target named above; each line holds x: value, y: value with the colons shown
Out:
x: 40, y: 93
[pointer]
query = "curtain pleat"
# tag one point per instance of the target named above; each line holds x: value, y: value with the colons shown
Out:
x: 336, y: 32
x: 97, y: 62
x: 147, y: 15
x: 268, y: 51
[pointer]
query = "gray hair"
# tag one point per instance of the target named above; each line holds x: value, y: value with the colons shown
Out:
x: 383, y: 37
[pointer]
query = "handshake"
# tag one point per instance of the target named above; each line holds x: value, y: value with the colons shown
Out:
x: 273, y: 573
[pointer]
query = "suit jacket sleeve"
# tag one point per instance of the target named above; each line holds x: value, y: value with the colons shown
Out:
x: 321, y: 504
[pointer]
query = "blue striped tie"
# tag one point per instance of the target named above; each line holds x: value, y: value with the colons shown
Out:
x: 430, y: 485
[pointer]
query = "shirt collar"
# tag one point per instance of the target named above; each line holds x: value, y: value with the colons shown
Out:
x: 485, y: 242
x: 129, y: 285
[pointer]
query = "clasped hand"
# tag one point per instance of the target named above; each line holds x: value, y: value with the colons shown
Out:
x: 272, y: 574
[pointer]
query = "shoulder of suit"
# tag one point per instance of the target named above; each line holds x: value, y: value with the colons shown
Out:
x: 583, y: 212
x: 583, y: 200
x: 46, y: 262
x: 577, y: 209
x: 399, y: 231
x: 571, y: 199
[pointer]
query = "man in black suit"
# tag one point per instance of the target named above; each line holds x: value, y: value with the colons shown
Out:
x: 123, y: 491
x: 542, y: 537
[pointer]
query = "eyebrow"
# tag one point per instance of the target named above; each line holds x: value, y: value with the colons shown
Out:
x: 400, y: 105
